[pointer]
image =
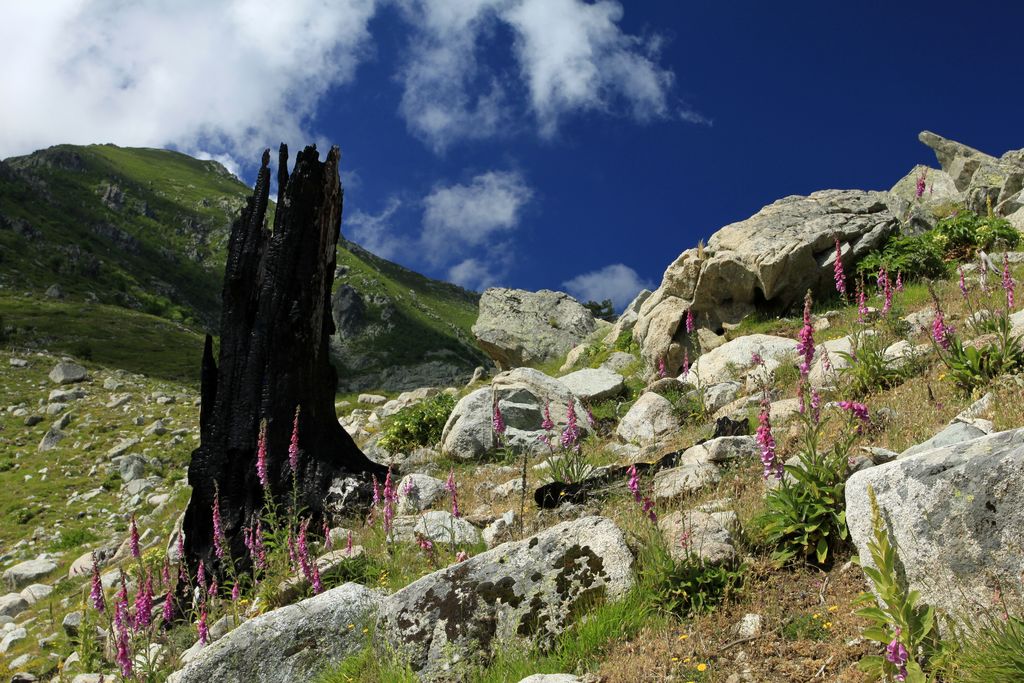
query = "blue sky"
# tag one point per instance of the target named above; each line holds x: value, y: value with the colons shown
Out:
x: 528, y: 143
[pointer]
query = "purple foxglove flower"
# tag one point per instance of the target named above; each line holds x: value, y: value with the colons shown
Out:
x: 293, y: 446
x: 896, y: 653
x: 1008, y: 283
x: 805, y: 345
x: 826, y: 360
x: 201, y: 575
x: 858, y: 410
x: 204, y: 632
x: 899, y: 281
x: 213, y: 587
x: 390, y: 497
x: 634, y: 482
x: 498, y: 421
x: 376, y: 492
x: 327, y: 530
x: 769, y: 458
x: 941, y: 332
x: 96, y: 594
x: 218, y: 530
x: 590, y: 416
x: 124, y: 653
x: 686, y: 361
x: 887, y: 294
x: 661, y: 369
x: 571, y: 433
x: 963, y: 283
x: 425, y: 544
x: 133, y: 539
x: 689, y: 321
x: 862, y: 303
x: 165, y: 575
x: 453, y: 488
x: 302, y: 551
x: 348, y: 545
x: 236, y: 592
x: 261, y: 456
x: 168, y: 613
x: 259, y: 551
x: 816, y: 405
x: 318, y: 587
x: 647, y: 508
x: 840, y: 276
x: 756, y: 358
x: 461, y: 556
x: 547, y: 424
x: 144, y: 604
x: 921, y: 184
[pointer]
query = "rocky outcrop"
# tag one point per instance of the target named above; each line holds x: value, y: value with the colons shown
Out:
x: 734, y: 360
x: 956, y: 516
x: 767, y: 261
x: 920, y: 213
x: 468, y: 432
x: 523, y: 591
x: 650, y: 420
x: 980, y: 178
x: 517, y: 328
x: 288, y: 645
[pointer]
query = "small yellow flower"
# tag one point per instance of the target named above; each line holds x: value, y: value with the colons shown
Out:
x: 675, y: 659
x: 686, y: 661
x: 351, y: 626
x: 702, y: 667
x: 833, y: 608
x: 828, y: 624
x: 816, y: 616
x: 683, y: 636
x: 366, y: 630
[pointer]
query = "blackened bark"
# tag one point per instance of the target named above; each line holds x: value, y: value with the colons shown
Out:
x: 275, y: 326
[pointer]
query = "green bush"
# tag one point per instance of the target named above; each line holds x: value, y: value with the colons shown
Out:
x: 919, y: 256
x: 418, y: 425
x: 72, y: 539
x: 690, y: 586
x: 971, y: 367
x: 961, y: 235
x: 868, y: 369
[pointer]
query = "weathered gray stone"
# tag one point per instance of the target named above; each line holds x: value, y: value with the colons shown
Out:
x: 733, y: 360
x: 72, y: 623
x: 517, y: 328
x: 627, y: 319
x: 468, y: 433
x: 955, y: 433
x: 524, y: 590
x: 292, y: 644
x: 619, y: 361
x: 770, y: 259
x: 66, y: 372
x: 956, y: 515
x: 650, y: 420
x: 918, y: 214
x: 372, y: 399
x: 594, y: 384
x: 35, y: 592
x: 500, y: 530
x: 687, y: 478
x: 13, y: 604
x: 24, y: 573
x: 704, y: 534
x: 418, y: 492
x: 439, y: 526
x: 50, y: 440
x: 521, y: 394
x: 12, y: 637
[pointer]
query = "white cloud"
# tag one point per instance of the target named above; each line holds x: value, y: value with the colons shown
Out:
x: 574, y: 57
x: 472, y: 274
x: 221, y: 77
x: 225, y: 160
x: 459, y: 217
x: 617, y: 282
x: 375, y: 232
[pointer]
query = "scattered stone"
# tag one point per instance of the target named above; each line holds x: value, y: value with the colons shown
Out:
x: 439, y: 526
x: 705, y: 534
x: 527, y: 590
x: 72, y: 623
x: 575, y: 354
x: 156, y: 429
x: 509, y: 488
x: 423, y: 491
x: 687, y: 478
x: 65, y: 396
x: 748, y: 627
x: 118, y: 401
x: 500, y: 530
x: 372, y: 399
x: 33, y: 420
x: 292, y: 644
x: 651, y: 419
x: 594, y: 384
x: 18, y: 363
x: 112, y: 384
x: 66, y: 372
x: 55, y: 408
x: 619, y: 361
x: 13, y: 604
x: 12, y: 637
x: 82, y: 566
x: 122, y: 447
x: 479, y: 375
x: 131, y: 467
x: 50, y: 440
x: 24, y: 573
x: 956, y: 432
x: 55, y: 292
x: 734, y: 360
x: 468, y: 433
x: 36, y: 592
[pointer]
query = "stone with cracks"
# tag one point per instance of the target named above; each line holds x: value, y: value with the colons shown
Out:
x: 956, y: 514
x: 518, y: 592
x: 24, y: 573
x: 468, y: 432
x: 650, y: 420
x: 516, y: 327
x: 592, y: 384
x: 274, y: 357
x: 765, y: 262
x: 66, y: 372
x: 292, y: 644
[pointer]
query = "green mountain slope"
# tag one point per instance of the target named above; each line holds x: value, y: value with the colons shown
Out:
x: 135, y: 239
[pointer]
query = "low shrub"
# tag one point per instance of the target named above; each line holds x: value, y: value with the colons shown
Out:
x: 418, y: 425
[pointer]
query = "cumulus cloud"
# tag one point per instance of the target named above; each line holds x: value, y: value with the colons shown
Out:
x: 473, y: 274
x: 617, y: 282
x: 219, y: 77
x: 375, y: 232
x: 458, y: 217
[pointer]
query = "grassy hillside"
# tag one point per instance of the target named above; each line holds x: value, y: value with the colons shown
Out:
x: 135, y: 241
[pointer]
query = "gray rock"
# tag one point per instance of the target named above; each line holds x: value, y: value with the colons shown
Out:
x: 292, y: 644
x: 955, y: 433
x: 705, y: 534
x: 733, y: 360
x: 18, y: 363
x: 918, y: 214
x: 122, y: 447
x: 66, y: 372
x: 156, y: 429
x: 372, y: 399
x: 33, y: 420
x: 627, y: 319
x: 521, y: 395
x: 468, y: 433
x: 112, y: 384
x: 516, y: 327
x: 82, y: 566
x: 440, y: 526
x: 35, y: 592
x: 650, y: 420
x: 575, y: 354
x: 956, y: 515
x: 517, y: 592
x: 55, y: 292
x: 65, y: 396
x: 500, y: 530
x: 748, y: 627
x: 131, y: 467
x: 24, y: 573
x: 619, y: 361
x: 50, y: 440
x: 72, y: 623
x: 594, y: 384
x: 551, y: 678
x: 720, y: 394
x: 55, y: 408
x: 13, y: 604
x: 12, y: 637
x: 687, y: 478
x: 418, y: 492
x: 776, y: 255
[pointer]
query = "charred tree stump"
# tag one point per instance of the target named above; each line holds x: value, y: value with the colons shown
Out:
x: 275, y: 326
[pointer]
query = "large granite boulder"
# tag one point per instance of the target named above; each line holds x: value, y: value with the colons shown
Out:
x: 767, y: 261
x: 627, y: 319
x: 594, y: 384
x: 521, y: 395
x: 648, y: 421
x: 956, y: 517
x: 918, y: 214
x: 292, y: 644
x: 525, y: 591
x: 516, y: 327
x: 468, y: 432
x: 980, y: 178
x: 734, y: 359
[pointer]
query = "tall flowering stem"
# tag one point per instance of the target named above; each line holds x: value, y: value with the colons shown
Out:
x: 689, y: 321
x: 293, y: 445
x: 261, y: 457
x: 218, y: 531
x: 765, y: 439
x: 96, y: 594
x: 571, y: 433
x: 390, y: 498
x: 453, y: 488
x: 838, y: 274
x: 885, y: 284
x: 144, y: 604
x: 899, y: 282
x: 662, y: 373
x: 805, y: 340
x: 645, y: 503
x: 133, y: 540
x: 921, y: 184
x: 941, y: 332
x: 1008, y: 283
x: 862, y: 303
x: 498, y: 421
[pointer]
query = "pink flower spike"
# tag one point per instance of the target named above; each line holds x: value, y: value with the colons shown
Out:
x: 805, y: 345
x: 921, y: 184
x: 144, y: 604
x: 689, y: 321
x: 96, y: 594
x: 772, y: 465
x: 348, y: 545
x: 899, y: 281
x: 133, y: 539
x: 261, y: 456
x: 1008, y: 283
x: 236, y: 592
x: 453, y: 488
x: 941, y: 332
x: 204, y: 632
x: 461, y: 556
x: 327, y: 533
x: 547, y: 424
x: 168, y: 613
x: 218, y: 531
x: 498, y: 421
x: 963, y: 283
x: 839, y: 275
x: 662, y: 374
x: 293, y: 446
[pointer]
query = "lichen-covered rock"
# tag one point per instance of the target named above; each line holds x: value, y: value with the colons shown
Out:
x: 521, y: 395
x: 417, y: 492
x: 590, y: 384
x: 468, y: 433
x: 704, y: 534
x: 525, y: 590
x: 67, y: 372
x: 24, y: 573
x: 288, y: 645
x: 956, y: 515
x: 918, y: 214
x: 516, y: 327
x: 734, y: 359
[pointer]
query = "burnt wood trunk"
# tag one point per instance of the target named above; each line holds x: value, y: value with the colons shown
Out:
x: 274, y: 333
